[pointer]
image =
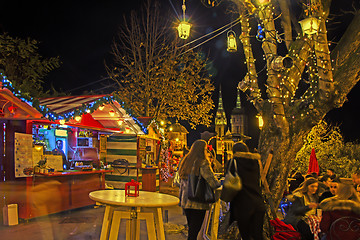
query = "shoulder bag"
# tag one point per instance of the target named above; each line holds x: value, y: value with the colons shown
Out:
x: 199, y: 190
x: 232, y: 183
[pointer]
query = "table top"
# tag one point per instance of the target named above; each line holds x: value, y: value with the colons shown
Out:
x: 145, y: 199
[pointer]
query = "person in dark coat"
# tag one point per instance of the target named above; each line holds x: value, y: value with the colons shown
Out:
x: 247, y: 207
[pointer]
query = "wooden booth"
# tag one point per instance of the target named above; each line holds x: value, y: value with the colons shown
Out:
x: 131, y: 146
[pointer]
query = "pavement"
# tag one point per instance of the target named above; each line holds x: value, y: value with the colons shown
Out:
x: 85, y: 224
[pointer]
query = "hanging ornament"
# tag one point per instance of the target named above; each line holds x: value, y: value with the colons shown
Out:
x: 231, y: 41
x: 211, y: 3
x: 184, y: 26
x: 260, y: 33
x: 12, y: 109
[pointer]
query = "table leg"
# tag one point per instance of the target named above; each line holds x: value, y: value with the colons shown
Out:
x: 137, y: 224
x: 215, y: 221
x: 115, y: 224
x: 150, y: 224
x: 109, y: 211
x: 159, y: 224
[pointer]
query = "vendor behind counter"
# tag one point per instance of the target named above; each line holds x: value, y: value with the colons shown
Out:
x: 58, y: 150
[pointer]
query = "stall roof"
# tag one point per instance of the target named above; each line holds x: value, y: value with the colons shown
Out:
x: 108, y: 116
x: 11, y: 107
x: 62, y: 105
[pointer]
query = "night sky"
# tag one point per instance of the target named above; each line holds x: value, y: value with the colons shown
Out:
x: 81, y: 34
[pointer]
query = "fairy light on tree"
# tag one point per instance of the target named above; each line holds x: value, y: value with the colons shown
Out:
x: 300, y: 86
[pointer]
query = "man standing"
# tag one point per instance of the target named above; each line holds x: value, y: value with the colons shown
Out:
x: 58, y: 150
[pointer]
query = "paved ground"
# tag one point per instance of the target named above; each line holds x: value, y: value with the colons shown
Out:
x: 85, y: 224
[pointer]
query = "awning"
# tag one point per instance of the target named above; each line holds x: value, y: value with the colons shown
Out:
x: 12, y: 107
x: 105, y: 119
x: 61, y: 105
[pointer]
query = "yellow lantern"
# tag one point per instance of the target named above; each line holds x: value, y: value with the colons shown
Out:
x: 78, y: 118
x: 310, y: 25
x: 231, y: 42
x: 184, y: 29
x: 261, y: 121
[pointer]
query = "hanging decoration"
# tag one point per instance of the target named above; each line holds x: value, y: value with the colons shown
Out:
x: 231, y: 41
x: 85, y: 108
x: 260, y: 33
x: 211, y: 3
x: 184, y: 26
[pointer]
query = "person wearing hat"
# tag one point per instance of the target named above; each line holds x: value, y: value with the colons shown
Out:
x: 247, y: 207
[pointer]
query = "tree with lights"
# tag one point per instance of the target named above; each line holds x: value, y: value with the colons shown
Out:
x: 156, y: 78
x: 290, y: 112
x: 331, y: 150
x: 21, y: 62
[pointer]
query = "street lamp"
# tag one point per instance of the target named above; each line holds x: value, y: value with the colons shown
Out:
x: 184, y: 26
x: 184, y: 29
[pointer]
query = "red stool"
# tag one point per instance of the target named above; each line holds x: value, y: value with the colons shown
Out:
x: 132, y: 188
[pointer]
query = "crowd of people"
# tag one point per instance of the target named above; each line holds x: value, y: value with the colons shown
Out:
x: 316, y: 202
x: 247, y: 207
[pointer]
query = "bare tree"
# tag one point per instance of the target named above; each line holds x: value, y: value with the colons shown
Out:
x: 157, y: 78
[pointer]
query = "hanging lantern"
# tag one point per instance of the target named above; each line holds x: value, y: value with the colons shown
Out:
x: 184, y: 26
x: 260, y: 121
x: 310, y: 25
x: 184, y: 29
x: 231, y: 42
x: 112, y: 113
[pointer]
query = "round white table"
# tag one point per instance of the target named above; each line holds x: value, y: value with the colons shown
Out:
x: 133, y: 211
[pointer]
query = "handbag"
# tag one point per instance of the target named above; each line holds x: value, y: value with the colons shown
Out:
x: 199, y: 190
x: 232, y: 183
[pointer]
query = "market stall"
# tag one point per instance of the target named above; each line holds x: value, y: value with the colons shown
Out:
x: 131, y: 147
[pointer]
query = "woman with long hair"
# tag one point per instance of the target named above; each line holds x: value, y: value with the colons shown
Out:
x: 197, y: 161
x: 304, y: 203
x: 346, y: 203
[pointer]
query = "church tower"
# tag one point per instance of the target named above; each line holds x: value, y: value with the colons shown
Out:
x: 220, y: 118
x: 239, y: 119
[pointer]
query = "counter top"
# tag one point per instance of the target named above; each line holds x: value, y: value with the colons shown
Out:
x: 72, y: 172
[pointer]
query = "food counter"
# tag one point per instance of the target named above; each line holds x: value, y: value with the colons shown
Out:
x: 44, y: 194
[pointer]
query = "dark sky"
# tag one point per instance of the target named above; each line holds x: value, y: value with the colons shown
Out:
x: 81, y: 33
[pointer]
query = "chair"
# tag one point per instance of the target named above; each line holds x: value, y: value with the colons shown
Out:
x: 345, y: 228
x: 284, y: 231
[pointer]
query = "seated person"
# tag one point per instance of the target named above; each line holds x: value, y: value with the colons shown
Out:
x: 331, y: 192
x: 304, y: 203
x: 345, y: 204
